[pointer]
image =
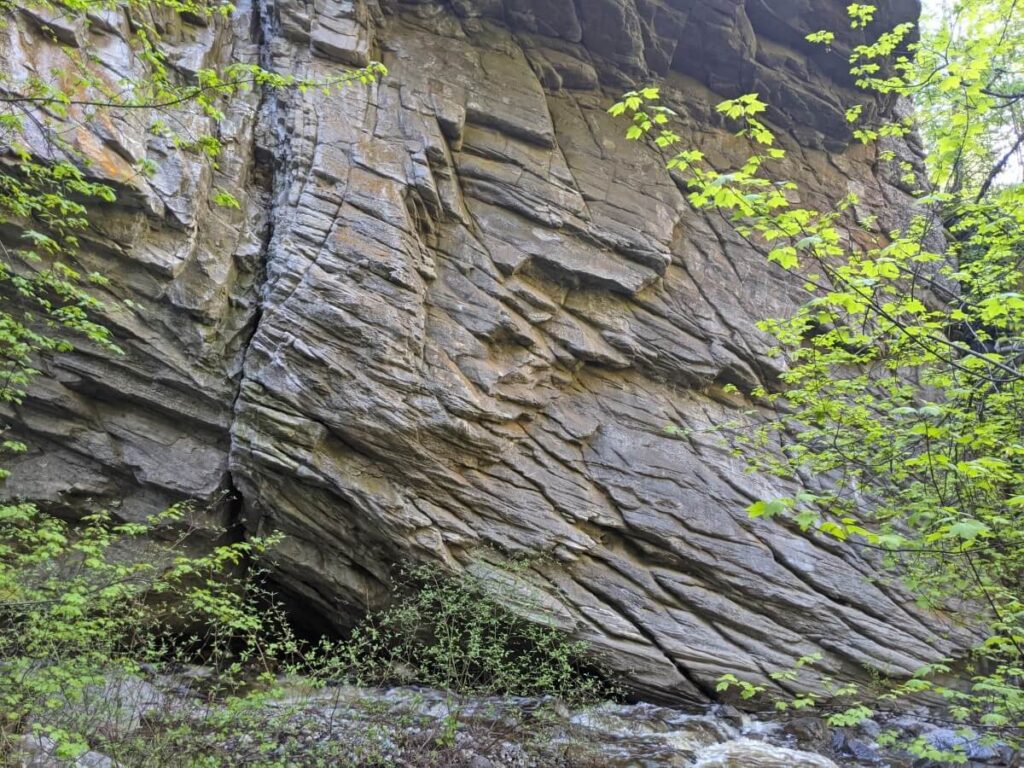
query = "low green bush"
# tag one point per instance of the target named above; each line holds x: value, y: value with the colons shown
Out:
x: 472, y: 635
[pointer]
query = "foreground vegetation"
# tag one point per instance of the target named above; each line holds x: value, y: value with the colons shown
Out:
x: 904, y: 382
x: 102, y: 625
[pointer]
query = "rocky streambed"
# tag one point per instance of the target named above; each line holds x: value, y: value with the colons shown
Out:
x: 406, y: 726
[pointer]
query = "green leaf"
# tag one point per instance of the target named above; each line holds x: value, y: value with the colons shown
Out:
x: 968, y: 530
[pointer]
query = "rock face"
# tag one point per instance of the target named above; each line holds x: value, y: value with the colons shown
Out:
x: 456, y: 314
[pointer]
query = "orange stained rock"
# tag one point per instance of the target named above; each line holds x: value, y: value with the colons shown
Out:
x: 106, y: 163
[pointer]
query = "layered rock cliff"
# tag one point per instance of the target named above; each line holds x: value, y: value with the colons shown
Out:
x: 456, y: 314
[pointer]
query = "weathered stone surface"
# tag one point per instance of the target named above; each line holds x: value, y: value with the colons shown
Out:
x: 475, y: 313
x: 152, y: 426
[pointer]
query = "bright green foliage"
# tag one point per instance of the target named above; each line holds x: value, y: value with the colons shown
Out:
x: 967, y: 79
x: 86, y: 605
x: 904, y: 386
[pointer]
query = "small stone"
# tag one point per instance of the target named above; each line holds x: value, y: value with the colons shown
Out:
x: 950, y: 740
x: 870, y: 728
x: 863, y: 750
x: 41, y: 752
x: 808, y: 730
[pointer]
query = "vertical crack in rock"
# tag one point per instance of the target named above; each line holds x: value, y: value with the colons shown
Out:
x: 262, y: 154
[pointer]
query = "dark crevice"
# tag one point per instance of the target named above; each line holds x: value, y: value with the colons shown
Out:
x: 265, y: 182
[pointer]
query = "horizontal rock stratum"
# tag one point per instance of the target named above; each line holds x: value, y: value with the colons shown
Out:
x: 456, y: 313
